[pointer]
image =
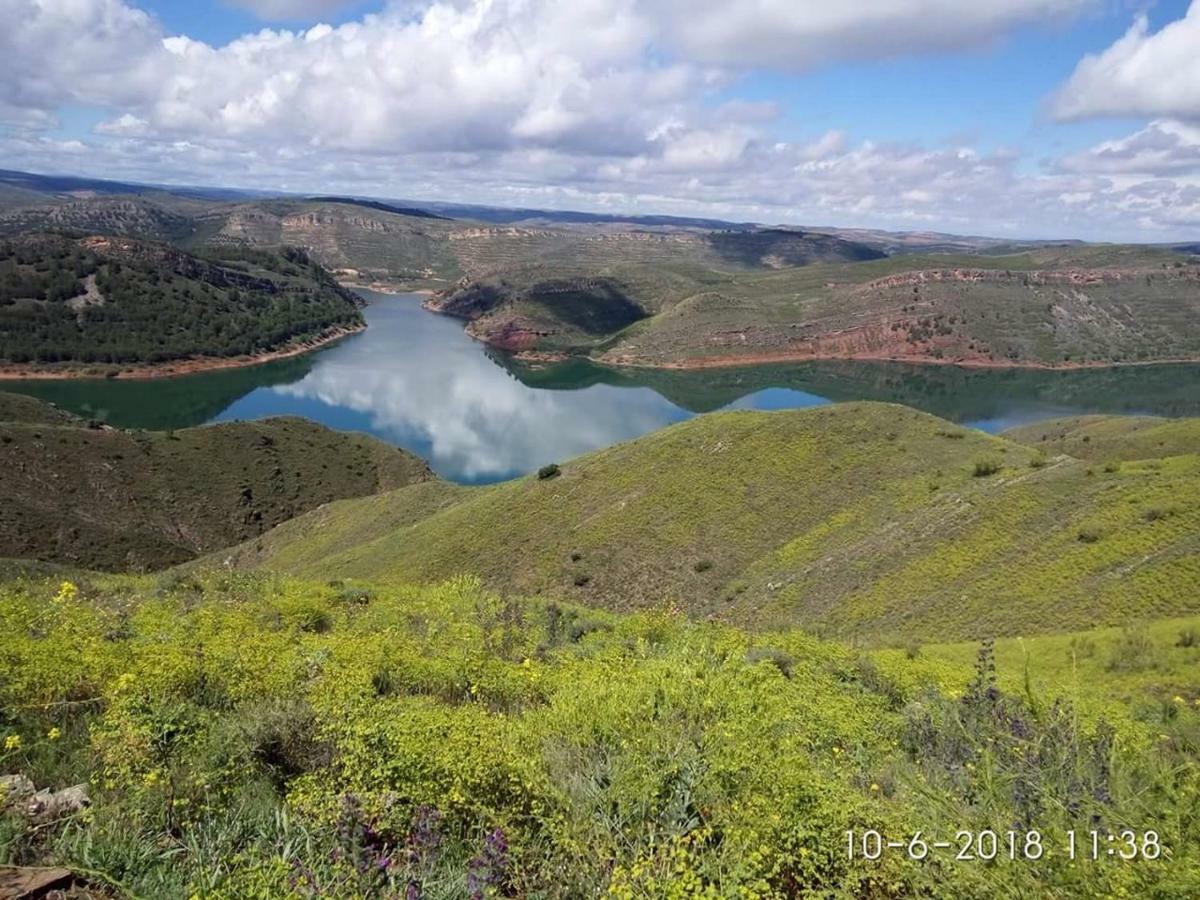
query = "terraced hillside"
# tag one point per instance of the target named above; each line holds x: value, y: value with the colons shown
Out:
x: 858, y: 519
x: 124, y: 500
x: 141, y: 217
x: 114, y: 302
x: 377, y: 243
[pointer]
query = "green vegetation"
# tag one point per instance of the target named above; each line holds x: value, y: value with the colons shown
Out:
x: 247, y: 736
x: 121, y: 500
x: 856, y: 519
x: 117, y: 302
x: 1110, y: 438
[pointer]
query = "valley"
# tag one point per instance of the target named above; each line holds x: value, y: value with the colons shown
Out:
x: 684, y: 295
x: 631, y: 613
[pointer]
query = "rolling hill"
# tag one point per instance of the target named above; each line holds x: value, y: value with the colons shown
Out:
x: 859, y: 519
x: 110, y: 499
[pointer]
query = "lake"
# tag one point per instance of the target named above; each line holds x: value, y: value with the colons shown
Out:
x: 416, y: 380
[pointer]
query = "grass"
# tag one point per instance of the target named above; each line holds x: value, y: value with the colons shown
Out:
x: 19, y: 408
x: 860, y: 520
x: 1112, y: 438
x: 251, y: 736
x: 120, y: 500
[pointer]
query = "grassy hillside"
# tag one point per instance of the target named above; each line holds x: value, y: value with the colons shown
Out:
x: 19, y: 408
x: 255, y: 737
x: 123, y: 500
x: 1112, y: 437
x: 101, y: 301
x: 857, y: 519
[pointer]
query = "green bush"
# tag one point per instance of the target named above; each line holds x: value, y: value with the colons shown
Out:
x: 985, y: 467
x: 550, y: 471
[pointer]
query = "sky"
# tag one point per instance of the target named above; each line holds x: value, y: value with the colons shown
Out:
x: 1012, y: 118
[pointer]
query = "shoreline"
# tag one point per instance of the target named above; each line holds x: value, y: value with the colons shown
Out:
x: 783, y: 357
x: 381, y: 288
x: 762, y: 359
x: 181, y: 367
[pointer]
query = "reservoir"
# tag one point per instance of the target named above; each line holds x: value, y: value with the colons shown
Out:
x: 416, y: 380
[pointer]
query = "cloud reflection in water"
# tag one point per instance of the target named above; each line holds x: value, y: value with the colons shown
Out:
x: 423, y: 384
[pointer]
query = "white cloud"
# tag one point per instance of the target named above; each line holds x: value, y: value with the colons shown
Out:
x: 794, y: 35
x: 1142, y: 74
x: 605, y: 104
x: 1163, y: 147
x: 77, y: 51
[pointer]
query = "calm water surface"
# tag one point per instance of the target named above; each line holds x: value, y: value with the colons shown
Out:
x: 416, y: 380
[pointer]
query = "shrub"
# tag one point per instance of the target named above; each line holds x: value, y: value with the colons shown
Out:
x: 1089, y: 535
x: 1189, y: 637
x: 782, y: 661
x: 357, y: 596
x: 1082, y: 647
x: 1157, y: 513
x: 1134, y: 650
x: 581, y: 579
x: 985, y: 467
x: 550, y: 471
x: 703, y: 565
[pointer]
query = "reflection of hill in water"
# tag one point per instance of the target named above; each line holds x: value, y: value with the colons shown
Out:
x: 951, y: 392
x: 163, y: 403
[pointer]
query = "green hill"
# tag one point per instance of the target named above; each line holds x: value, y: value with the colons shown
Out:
x: 123, y: 500
x: 260, y: 737
x: 858, y: 519
x: 20, y: 408
x: 1112, y: 437
x: 118, y: 301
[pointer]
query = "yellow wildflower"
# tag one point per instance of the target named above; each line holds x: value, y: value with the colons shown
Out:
x: 1178, y: 699
x: 12, y: 742
x: 53, y: 734
x: 66, y: 591
x: 874, y: 786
